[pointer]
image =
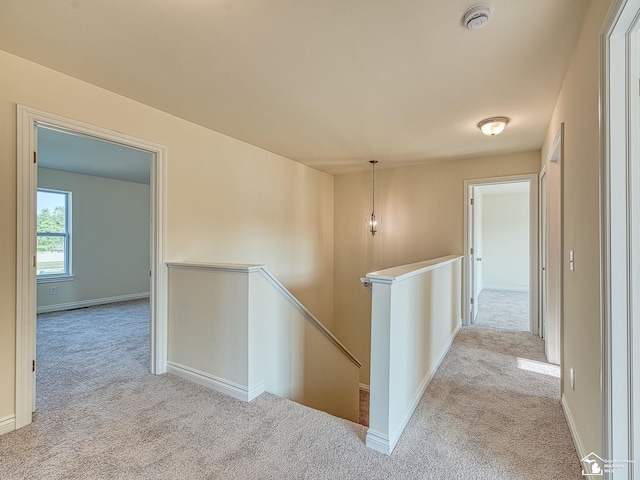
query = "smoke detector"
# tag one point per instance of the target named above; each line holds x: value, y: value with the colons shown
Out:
x: 477, y: 16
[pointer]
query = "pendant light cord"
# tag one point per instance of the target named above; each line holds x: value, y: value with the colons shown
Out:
x: 373, y: 186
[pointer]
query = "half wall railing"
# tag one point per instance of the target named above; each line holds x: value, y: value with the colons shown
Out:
x: 416, y: 312
x: 238, y: 330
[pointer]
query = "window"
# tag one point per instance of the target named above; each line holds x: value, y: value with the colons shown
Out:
x: 54, y: 229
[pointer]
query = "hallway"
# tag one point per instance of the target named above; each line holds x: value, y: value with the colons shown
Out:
x: 504, y: 310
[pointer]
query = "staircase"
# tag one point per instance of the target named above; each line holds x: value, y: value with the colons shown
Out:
x: 236, y: 329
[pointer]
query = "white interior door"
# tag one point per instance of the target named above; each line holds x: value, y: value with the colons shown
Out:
x: 554, y: 257
x: 477, y: 248
x: 471, y: 231
x: 543, y: 253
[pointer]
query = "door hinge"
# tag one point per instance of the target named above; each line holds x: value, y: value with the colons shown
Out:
x: 471, y: 251
x: 34, y: 261
x: 33, y: 366
x: 35, y: 157
x: 472, y: 201
x: 471, y: 301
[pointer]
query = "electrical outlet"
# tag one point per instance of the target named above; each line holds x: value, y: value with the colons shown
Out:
x: 53, y: 290
x: 572, y: 379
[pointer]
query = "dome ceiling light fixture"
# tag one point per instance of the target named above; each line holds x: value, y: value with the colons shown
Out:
x: 476, y: 16
x: 493, y: 126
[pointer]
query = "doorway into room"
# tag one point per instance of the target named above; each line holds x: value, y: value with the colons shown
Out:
x: 30, y: 123
x: 500, y: 245
x: 92, y: 264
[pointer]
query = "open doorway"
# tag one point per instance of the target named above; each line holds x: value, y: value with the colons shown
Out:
x: 500, y: 245
x: 92, y: 264
x: 29, y: 123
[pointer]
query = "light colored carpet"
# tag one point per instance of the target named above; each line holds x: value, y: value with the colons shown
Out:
x: 503, y: 309
x: 481, y: 418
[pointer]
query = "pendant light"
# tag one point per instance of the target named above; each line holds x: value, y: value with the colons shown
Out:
x: 373, y: 223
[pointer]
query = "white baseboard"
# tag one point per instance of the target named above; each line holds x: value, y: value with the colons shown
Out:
x: 378, y: 442
x: 91, y: 303
x: 7, y: 424
x: 365, y: 387
x: 506, y: 288
x: 574, y: 433
x: 384, y: 444
x: 218, y: 384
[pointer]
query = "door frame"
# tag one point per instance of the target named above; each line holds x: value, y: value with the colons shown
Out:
x: 620, y: 230
x: 543, y: 247
x: 533, y: 243
x: 26, y: 297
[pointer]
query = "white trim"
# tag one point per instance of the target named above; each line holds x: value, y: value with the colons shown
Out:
x: 572, y: 428
x: 226, y: 267
x: 91, y: 303
x: 61, y: 278
x: 618, y: 225
x: 384, y: 444
x: 213, y: 382
x: 27, y: 120
x: 553, y: 319
x: 404, y: 272
x: 364, y: 387
x: 543, y: 217
x: 555, y: 152
x: 533, y: 242
x: 582, y: 453
x: 506, y: 288
x: 379, y: 442
x: 7, y: 424
x: 308, y: 315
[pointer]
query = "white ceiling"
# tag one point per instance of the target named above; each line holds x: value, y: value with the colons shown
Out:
x: 89, y: 156
x: 330, y: 83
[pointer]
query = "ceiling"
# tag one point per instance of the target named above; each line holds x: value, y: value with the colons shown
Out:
x: 330, y: 83
x: 69, y: 152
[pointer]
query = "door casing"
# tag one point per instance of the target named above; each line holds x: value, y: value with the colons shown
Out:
x: 533, y: 243
x: 27, y: 120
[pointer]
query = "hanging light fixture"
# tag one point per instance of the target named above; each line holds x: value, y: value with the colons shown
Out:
x: 493, y: 126
x: 373, y: 223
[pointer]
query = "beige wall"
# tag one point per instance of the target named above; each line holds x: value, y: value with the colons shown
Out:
x: 421, y: 210
x: 109, y: 238
x: 577, y: 107
x: 227, y: 201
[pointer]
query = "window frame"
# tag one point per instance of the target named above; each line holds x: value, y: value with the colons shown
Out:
x: 67, y: 275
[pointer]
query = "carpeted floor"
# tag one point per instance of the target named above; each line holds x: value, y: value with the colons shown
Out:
x: 504, y: 310
x: 482, y: 417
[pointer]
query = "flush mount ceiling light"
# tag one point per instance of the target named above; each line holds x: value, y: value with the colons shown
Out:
x: 493, y: 126
x: 476, y: 16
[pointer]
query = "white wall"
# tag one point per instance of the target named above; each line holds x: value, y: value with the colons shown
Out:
x: 110, y: 239
x: 505, y: 241
x: 416, y: 313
